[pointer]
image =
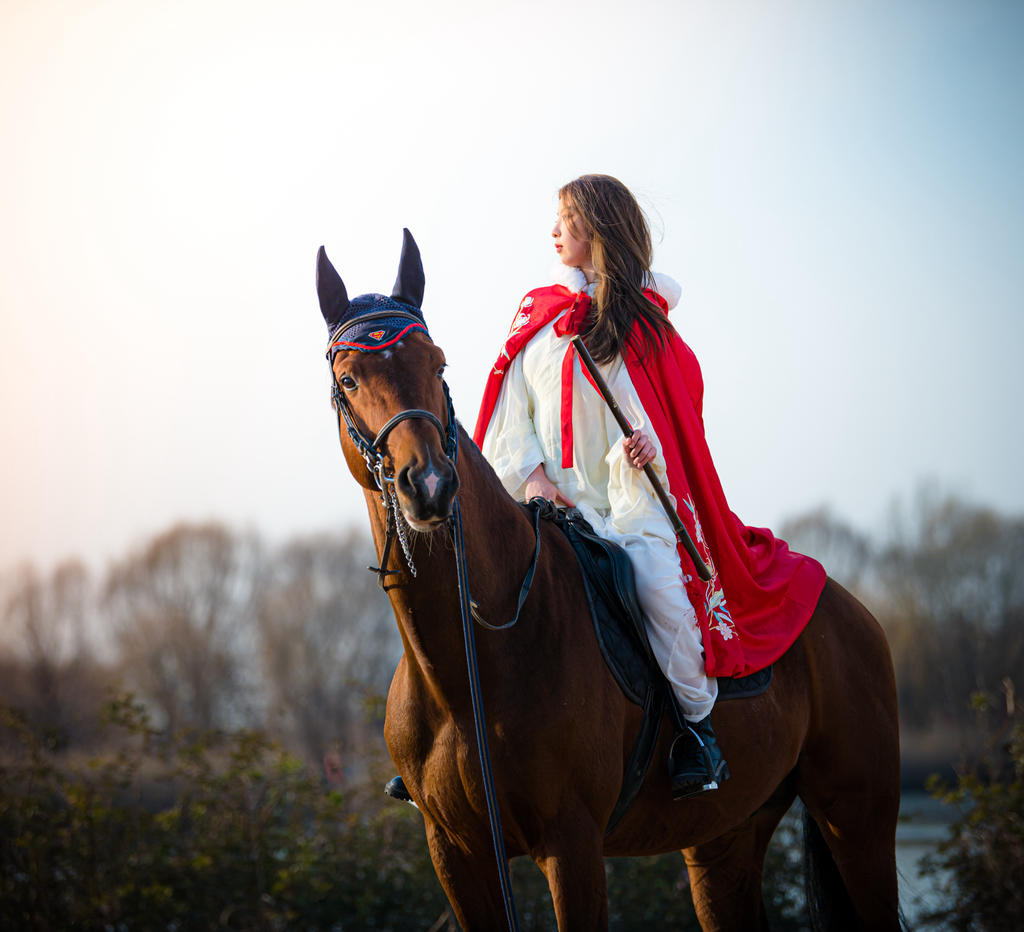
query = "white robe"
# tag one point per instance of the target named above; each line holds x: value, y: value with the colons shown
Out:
x: 614, y: 497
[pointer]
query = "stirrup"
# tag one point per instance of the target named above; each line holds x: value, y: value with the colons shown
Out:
x: 395, y: 788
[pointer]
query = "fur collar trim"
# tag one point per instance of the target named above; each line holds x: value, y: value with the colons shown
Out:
x: 568, y: 276
x: 574, y: 279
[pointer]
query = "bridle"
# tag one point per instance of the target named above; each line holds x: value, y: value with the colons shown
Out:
x: 395, y: 525
x: 372, y: 453
x: 372, y: 450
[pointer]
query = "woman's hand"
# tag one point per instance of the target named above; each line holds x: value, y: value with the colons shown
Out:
x: 538, y: 483
x: 639, y: 448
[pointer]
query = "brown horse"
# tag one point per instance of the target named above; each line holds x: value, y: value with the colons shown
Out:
x: 559, y: 728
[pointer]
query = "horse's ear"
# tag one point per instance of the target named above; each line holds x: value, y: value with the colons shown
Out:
x: 409, y: 284
x: 330, y: 289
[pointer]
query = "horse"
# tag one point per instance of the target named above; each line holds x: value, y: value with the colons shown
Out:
x: 558, y: 726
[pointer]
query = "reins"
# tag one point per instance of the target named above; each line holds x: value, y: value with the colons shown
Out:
x: 479, y: 724
x: 395, y: 525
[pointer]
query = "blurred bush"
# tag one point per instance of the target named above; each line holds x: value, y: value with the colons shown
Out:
x: 980, y: 867
x: 216, y: 830
x: 198, y: 831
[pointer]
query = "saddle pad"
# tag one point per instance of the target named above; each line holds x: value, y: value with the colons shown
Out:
x: 618, y: 618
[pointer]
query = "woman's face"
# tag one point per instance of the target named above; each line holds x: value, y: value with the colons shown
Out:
x: 572, y: 251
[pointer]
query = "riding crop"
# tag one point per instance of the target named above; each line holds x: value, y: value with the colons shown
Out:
x: 682, y: 535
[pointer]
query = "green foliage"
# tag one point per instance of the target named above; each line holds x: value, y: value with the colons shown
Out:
x: 228, y: 831
x: 981, y: 864
x: 245, y: 838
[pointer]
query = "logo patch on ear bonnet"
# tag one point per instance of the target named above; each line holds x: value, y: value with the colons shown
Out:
x: 374, y: 323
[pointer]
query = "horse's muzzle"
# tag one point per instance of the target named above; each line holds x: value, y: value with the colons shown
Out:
x: 426, y: 492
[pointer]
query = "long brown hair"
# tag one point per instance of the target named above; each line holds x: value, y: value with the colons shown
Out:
x: 602, y: 211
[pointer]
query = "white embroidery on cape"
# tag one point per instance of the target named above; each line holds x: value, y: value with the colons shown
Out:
x: 719, y: 619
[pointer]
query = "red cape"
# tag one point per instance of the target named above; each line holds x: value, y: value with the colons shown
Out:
x: 761, y: 594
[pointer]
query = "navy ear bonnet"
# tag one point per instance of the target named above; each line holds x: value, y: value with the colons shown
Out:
x: 374, y: 322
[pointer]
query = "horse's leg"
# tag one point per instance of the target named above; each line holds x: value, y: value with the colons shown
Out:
x: 470, y: 880
x: 725, y: 874
x: 848, y: 774
x: 573, y: 863
x: 860, y: 837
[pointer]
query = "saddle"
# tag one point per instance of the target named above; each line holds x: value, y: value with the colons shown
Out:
x: 622, y: 635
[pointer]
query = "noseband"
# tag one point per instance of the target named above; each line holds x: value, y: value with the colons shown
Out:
x: 372, y: 451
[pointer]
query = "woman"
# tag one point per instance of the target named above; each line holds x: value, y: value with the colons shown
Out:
x: 546, y: 431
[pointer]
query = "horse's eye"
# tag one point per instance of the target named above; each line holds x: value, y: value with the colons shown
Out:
x: 347, y: 382
x: 440, y: 372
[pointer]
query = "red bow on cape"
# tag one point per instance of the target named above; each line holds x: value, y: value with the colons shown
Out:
x: 568, y: 325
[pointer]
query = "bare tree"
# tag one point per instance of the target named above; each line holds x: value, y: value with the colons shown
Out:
x: 182, y: 610
x: 953, y: 586
x: 847, y: 554
x: 329, y: 643
x: 50, y: 670
x: 945, y: 583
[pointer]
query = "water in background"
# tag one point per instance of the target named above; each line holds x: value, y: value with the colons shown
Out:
x: 923, y: 824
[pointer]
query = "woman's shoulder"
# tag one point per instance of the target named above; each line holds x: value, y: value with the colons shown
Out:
x: 667, y: 287
x: 537, y: 307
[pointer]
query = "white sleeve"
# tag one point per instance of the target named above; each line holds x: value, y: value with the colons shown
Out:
x: 510, y: 444
x: 635, y: 509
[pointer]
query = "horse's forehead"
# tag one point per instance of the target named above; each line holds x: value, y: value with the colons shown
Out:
x: 394, y: 363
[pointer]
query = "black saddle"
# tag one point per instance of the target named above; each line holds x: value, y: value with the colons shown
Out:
x: 622, y: 635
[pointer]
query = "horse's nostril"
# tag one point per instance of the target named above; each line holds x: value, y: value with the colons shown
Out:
x: 404, y: 483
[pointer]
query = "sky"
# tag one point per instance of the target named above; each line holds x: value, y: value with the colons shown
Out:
x: 837, y: 187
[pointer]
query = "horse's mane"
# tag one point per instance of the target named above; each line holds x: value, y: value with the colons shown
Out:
x: 483, y: 469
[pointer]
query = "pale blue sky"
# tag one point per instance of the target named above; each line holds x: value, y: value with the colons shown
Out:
x: 836, y: 185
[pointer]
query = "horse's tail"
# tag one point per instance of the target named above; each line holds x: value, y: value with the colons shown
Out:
x: 828, y: 904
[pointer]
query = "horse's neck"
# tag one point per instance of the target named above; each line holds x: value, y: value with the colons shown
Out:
x: 499, y: 542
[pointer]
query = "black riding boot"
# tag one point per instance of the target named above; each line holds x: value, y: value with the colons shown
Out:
x: 695, y: 762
